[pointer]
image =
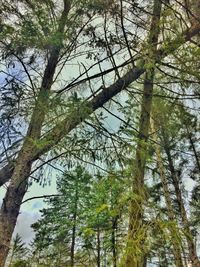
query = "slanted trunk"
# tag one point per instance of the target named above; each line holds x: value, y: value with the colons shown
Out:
x: 168, y: 201
x: 11, y: 206
x: 184, y: 219
x: 19, y: 174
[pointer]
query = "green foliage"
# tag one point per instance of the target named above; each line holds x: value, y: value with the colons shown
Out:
x: 21, y: 263
x: 18, y: 252
x: 85, y: 206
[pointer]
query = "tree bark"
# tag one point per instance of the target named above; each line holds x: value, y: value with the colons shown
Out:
x: 136, y: 233
x: 73, y: 240
x: 19, y: 182
x: 135, y: 249
x: 74, y: 227
x: 11, y: 205
x: 98, y: 248
x: 6, y: 173
x: 113, y: 242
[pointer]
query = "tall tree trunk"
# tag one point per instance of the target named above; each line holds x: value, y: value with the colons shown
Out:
x: 10, y: 207
x: 73, y: 240
x: 135, y: 249
x: 136, y: 233
x: 184, y: 219
x: 19, y: 180
x: 172, y: 218
x: 98, y: 248
x: 113, y: 242
x: 74, y: 227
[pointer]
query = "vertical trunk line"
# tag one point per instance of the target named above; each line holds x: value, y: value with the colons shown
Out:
x: 74, y: 227
x: 113, y: 241
x: 98, y: 248
x: 168, y: 201
x: 135, y: 248
x: 183, y: 214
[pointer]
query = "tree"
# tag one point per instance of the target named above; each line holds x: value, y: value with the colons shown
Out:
x: 18, y: 251
x: 174, y: 125
x: 137, y: 233
x: 62, y: 221
x: 53, y: 43
x: 82, y: 221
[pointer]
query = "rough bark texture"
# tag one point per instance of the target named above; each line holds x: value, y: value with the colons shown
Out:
x: 11, y: 203
x: 168, y: 201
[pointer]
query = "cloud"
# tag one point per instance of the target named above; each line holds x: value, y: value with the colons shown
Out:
x: 23, y: 226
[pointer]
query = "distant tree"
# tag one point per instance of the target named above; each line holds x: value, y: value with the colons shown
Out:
x: 18, y: 251
x: 62, y: 220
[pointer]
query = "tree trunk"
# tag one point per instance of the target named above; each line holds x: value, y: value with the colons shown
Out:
x: 170, y: 212
x: 135, y: 249
x: 11, y: 206
x: 188, y: 234
x: 136, y: 233
x: 19, y: 180
x: 74, y: 227
x: 6, y: 173
x: 98, y: 248
x: 73, y: 241
x: 113, y: 242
